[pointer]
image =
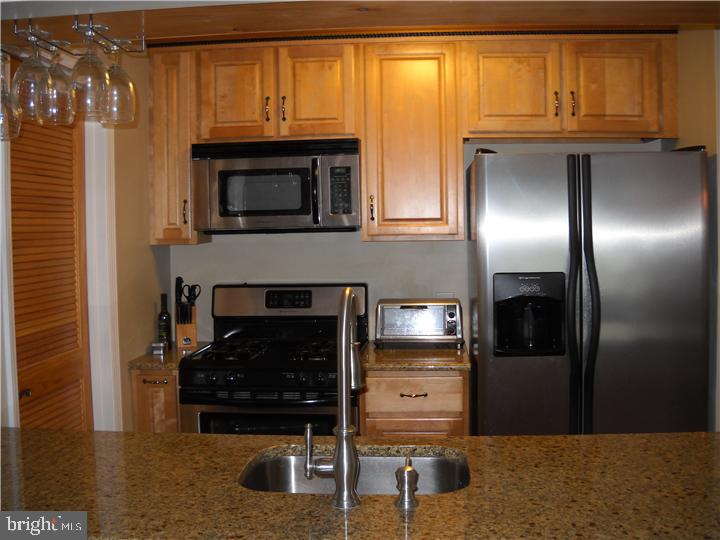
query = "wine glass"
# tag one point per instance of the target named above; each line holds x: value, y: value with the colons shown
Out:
x: 119, y: 94
x: 27, y: 85
x: 10, y: 111
x: 88, y: 80
x: 57, y: 98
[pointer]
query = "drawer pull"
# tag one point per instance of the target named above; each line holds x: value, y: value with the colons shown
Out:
x: 424, y: 394
x: 156, y: 381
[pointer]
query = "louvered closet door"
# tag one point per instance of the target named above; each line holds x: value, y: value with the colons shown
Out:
x: 49, y: 277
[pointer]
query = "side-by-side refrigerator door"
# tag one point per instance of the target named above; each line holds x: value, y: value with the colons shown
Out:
x: 519, y: 271
x: 648, y: 369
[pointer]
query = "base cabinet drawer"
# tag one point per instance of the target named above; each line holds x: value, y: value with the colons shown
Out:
x: 415, y: 403
x: 155, y: 401
x: 414, y: 394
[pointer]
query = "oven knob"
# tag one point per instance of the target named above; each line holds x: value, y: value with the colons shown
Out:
x: 321, y: 379
x: 211, y: 379
x: 230, y: 379
x: 303, y: 379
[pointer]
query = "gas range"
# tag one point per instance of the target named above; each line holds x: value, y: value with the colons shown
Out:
x: 275, y: 345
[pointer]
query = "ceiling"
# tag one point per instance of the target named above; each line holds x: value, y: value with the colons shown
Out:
x: 168, y: 22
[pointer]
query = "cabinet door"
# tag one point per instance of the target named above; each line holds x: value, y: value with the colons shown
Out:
x: 612, y: 86
x: 316, y: 90
x: 155, y: 403
x: 172, y: 121
x: 400, y: 427
x: 413, y: 167
x: 510, y: 86
x: 236, y: 93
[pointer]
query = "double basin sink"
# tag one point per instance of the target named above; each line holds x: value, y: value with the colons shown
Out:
x: 281, y: 469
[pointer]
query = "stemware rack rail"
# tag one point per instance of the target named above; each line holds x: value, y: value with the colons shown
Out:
x: 96, y: 32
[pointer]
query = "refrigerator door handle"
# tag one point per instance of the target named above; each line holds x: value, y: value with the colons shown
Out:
x: 572, y: 296
x: 594, y: 337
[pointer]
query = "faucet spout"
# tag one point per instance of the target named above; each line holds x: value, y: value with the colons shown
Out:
x: 345, y: 466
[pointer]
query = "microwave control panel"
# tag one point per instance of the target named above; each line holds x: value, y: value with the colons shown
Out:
x: 340, y: 190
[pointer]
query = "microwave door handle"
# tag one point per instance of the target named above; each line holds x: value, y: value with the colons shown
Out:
x: 314, y: 177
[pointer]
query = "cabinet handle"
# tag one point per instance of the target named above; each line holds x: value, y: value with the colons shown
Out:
x: 267, y: 108
x: 424, y: 394
x: 185, y: 211
x: 557, y: 103
x: 156, y: 381
x: 25, y: 393
x: 572, y: 103
x: 372, y: 207
x: 283, y: 108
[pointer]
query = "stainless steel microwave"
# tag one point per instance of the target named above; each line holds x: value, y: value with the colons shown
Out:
x: 279, y: 186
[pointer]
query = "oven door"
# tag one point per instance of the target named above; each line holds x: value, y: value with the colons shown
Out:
x: 242, y: 420
x: 263, y: 193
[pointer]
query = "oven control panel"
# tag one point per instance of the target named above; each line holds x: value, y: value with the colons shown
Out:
x: 288, y: 299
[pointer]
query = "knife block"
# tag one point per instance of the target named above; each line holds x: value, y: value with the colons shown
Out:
x: 186, y: 334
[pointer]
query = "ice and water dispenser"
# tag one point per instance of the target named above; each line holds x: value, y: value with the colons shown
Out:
x: 529, y: 314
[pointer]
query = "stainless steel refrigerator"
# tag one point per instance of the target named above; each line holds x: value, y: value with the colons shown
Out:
x: 590, y: 292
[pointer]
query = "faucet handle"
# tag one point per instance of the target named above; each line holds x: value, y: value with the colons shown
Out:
x: 308, y: 451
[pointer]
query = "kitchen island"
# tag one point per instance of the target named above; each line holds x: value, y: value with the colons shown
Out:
x: 172, y: 485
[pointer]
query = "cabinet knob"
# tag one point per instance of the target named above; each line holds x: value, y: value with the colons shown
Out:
x: 25, y: 392
x: 557, y: 103
x: 267, y: 108
x: 573, y: 103
x: 283, y: 108
x: 424, y: 394
x: 155, y: 381
x: 372, y: 207
x: 184, y: 211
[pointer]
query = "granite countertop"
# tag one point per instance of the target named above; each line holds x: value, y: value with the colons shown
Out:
x: 185, y: 486
x: 374, y: 359
x: 169, y: 360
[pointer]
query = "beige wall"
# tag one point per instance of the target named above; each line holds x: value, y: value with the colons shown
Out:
x: 696, y: 88
x: 138, y: 265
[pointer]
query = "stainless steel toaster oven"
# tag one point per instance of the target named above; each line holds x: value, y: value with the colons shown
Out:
x: 418, y: 322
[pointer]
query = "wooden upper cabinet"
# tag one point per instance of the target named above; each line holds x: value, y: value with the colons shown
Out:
x: 316, y: 88
x: 237, y: 93
x: 172, y: 132
x: 569, y: 88
x: 511, y: 86
x: 412, y: 160
x: 251, y: 92
x: 613, y: 86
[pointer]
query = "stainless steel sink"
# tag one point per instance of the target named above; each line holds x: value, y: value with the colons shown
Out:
x: 281, y: 469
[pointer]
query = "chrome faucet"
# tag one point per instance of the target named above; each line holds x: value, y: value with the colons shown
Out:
x: 344, y: 465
